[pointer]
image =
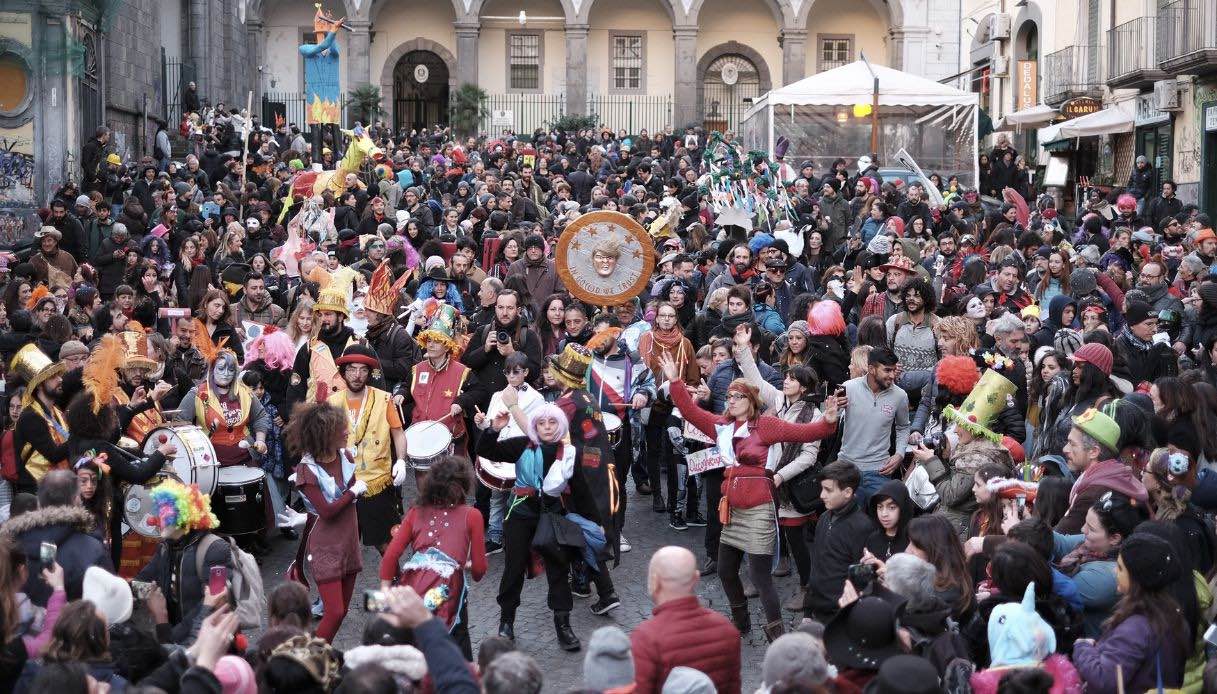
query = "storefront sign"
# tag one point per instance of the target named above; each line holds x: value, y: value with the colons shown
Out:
x: 1081, y: 106
x: 1210, y: 119
x: 1028, y: 85
x: 1148, y: 113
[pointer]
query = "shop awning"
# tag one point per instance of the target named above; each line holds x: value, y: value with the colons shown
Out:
x: 1028, y: 118
x: 1061, y: 145
x: 1109, y: 121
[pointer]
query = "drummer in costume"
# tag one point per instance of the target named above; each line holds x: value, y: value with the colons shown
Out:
x: 314, y: 373
x: 621, y: 387
x: 139, y: 409
x: 40, y: 434
x: 441, y: 389
x: 93, y: 420
x: 529, y: 399
x: 394, y: 347
x: 372, y: 425
x: 225, y: 408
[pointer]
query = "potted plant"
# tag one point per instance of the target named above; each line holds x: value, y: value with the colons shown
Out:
x: 363, y: 103
x: 469, y: 109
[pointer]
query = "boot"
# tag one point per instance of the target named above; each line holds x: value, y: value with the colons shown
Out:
x: 741, y: 619
x: 566, y: 636
x: 773, y: 630
x: 795, y: 602
x: 507, y: 629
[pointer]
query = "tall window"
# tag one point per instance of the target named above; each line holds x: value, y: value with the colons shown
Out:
x: 524, y: 60
x: 834, y: 51
x: 627, y: 62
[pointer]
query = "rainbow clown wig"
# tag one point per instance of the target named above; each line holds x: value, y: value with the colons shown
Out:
x: 182, y: 507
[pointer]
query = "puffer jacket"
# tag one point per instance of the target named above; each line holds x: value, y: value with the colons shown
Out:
x: 683, y: 633
x: 70, y: 529
x: 954, y: 480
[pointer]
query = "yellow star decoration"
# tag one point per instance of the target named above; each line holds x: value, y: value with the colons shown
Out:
x: 447, y: 393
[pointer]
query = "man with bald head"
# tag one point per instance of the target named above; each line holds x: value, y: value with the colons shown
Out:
x: 681, y: 632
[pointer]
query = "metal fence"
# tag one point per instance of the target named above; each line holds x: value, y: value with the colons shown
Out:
x: 291, y: 107
x: 633, y: 113
x: 521, y: 113
x: 176, y: 73
x: 1072, y: 71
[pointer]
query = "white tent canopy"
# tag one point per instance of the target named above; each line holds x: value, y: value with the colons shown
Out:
x: 935, y: 123
x: 1109, y: 121
x: 853, y: 84
x: 1033, y: 117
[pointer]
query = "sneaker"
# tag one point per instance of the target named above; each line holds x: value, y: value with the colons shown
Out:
x: 696, y: 520
x: 709, y: 568
x: 493, y: 547
x: 676, y: 522
x: 580, y: 589
x: 318, y: 610
x: 605, y: 605
x: 625, y: 544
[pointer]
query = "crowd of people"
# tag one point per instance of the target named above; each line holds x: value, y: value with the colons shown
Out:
x: 981, y: 433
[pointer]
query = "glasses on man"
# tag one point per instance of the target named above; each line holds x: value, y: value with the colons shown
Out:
x: 1149, y: 276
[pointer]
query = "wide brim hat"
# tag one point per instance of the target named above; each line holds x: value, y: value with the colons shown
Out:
x: 34, y: 367
x: 233, y: 277
x: 982, y: 405
x: 443, y: 328
x: 570, y: 366
x: 903, y: 264
x: 358, y: 354
x: 863, y: 635
x: 332, y: 299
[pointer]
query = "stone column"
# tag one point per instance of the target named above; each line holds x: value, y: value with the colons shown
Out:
x: 200, y: 34
x: 467, y: 52
x: 794, y: 55
x: 256, y: 43
x: 685, y: 108
x: 359, y: 54
x: 576, y: 69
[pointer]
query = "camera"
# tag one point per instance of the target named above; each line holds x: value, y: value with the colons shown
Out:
x: 375, y: 601
x: 861, y: 576
x: 503, y: 337
x: 933, y: 440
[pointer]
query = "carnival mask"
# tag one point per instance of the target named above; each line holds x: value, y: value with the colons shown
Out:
x: 225, y: 370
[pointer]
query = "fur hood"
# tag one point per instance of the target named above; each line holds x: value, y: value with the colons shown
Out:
x: 400, y: 660
x: 76, y: 517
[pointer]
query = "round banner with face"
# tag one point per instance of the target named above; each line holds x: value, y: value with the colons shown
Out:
x: 605, y: 258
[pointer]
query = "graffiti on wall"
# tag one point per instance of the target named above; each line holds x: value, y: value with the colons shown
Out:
x: 16, y: 172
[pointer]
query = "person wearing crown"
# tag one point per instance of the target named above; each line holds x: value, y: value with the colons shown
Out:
x: 41, y: 433
x: 971, y: 441
x: 373, y: 423
x: 139, y: 407
x: 314, y: 373
x: 395, y: 349
x: 441, y: 389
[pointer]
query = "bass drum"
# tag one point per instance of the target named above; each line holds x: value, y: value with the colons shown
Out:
x: 239, y: 500
x: 195, y: 461
x: 138, y: 509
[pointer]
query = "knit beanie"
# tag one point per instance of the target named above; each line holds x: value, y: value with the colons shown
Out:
x: 1150, y: 560
x: 795, y: 656
x: 686, y: 680
x: 109, y: 594
x: 235, y: 675
x: 609, y: 662
x: 1081, y: 282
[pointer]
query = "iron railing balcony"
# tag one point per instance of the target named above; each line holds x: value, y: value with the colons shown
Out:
x: 1072, y: 72
x: 1187, y: 37
x: 1131, y: 58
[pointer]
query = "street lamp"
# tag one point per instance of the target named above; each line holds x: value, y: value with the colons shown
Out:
x: 874, y: 113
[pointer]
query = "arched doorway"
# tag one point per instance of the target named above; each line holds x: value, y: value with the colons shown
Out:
x: 420, y: 91
x: 727, y: 81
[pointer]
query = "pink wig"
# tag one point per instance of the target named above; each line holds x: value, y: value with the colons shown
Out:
x: 274, y: 348
x: 1126, y: 202
x: 824, y: 318
x: 547, y: 411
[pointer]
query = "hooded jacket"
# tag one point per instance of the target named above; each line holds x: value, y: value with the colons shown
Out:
x: 879, y: 543
x: 1053, y: 324
x: 1103, y: 476
x: 70, y: 529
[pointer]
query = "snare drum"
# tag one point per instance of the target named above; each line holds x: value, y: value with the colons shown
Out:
x: 612, y: 425
x: 426, y: 442
x: 496, y: 475
x: 195, y: 461
x: 138, y: 509
x: 238, y: 500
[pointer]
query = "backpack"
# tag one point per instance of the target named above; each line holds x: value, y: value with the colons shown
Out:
x: 245, y: 582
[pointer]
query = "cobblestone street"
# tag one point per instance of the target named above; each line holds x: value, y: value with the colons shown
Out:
x: 646, y: 531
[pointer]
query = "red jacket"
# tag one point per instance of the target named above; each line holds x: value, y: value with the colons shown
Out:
x: 682, y: 632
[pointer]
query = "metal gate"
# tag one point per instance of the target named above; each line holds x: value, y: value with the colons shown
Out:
x: 90, y: 95
x: 728, y: 81
x: 420, y: 91
x: 176, y: 73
